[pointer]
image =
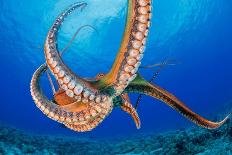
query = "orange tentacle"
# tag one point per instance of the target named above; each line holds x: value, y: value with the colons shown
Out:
x: 127, y: 107
x: 129, y: 56
x: 141, y: 86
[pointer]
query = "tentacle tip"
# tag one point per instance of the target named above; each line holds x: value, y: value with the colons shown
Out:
x: 219, y: 124
x: 84, y: 4
x: 138, y: 125
x: 228, y: 117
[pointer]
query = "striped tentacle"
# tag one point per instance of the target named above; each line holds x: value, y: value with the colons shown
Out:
x: 139, y: 85
x: 127, y: 107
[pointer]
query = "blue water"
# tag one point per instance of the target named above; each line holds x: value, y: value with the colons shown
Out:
x: 195, y: 33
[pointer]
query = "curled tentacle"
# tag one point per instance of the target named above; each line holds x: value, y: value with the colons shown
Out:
x: 139, y: 85
x: 78, y: 113
x: 73, y: 38
x: 132, y: 47
x: 74, y: 86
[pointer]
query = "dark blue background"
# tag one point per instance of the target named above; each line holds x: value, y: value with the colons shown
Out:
x: 196, y: 33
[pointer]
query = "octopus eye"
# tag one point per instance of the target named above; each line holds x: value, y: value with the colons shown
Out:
x: 99, y: 76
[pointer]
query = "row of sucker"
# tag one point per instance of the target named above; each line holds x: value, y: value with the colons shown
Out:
x: 136, y: 45
x: 74, y: 86
x: 127, y: 107
x: 59, y: 114
x: 87, y: 126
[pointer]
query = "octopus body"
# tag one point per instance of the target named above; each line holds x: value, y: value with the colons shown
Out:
x: 82, y: 104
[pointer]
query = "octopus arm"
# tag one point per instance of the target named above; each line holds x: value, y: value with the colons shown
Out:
x: 128, y: 108
x: 132, y: 46
x: 77, y: 116
x: 139, y: 85
x: 49, y: 108
x: 67, y: 79
x: 110, y: 78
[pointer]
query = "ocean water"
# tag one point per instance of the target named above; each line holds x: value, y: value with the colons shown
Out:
x: 196, y: 34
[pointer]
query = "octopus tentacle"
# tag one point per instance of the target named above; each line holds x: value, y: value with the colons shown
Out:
x: 139, y: 85
x: 90, y: 114
x: 127, y: 107
x: 51, y: 83
x: 74, y: 86
x: 49, y: 108
x: 124, y: 101
x: 129, y: 56
x: 92, y: 123
x: 167, y: 62
x: 74, y: 36
x: 87, y: 126
x: 161, y: 66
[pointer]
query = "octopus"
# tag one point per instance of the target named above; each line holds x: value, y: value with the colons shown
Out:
x: 81, y: 104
